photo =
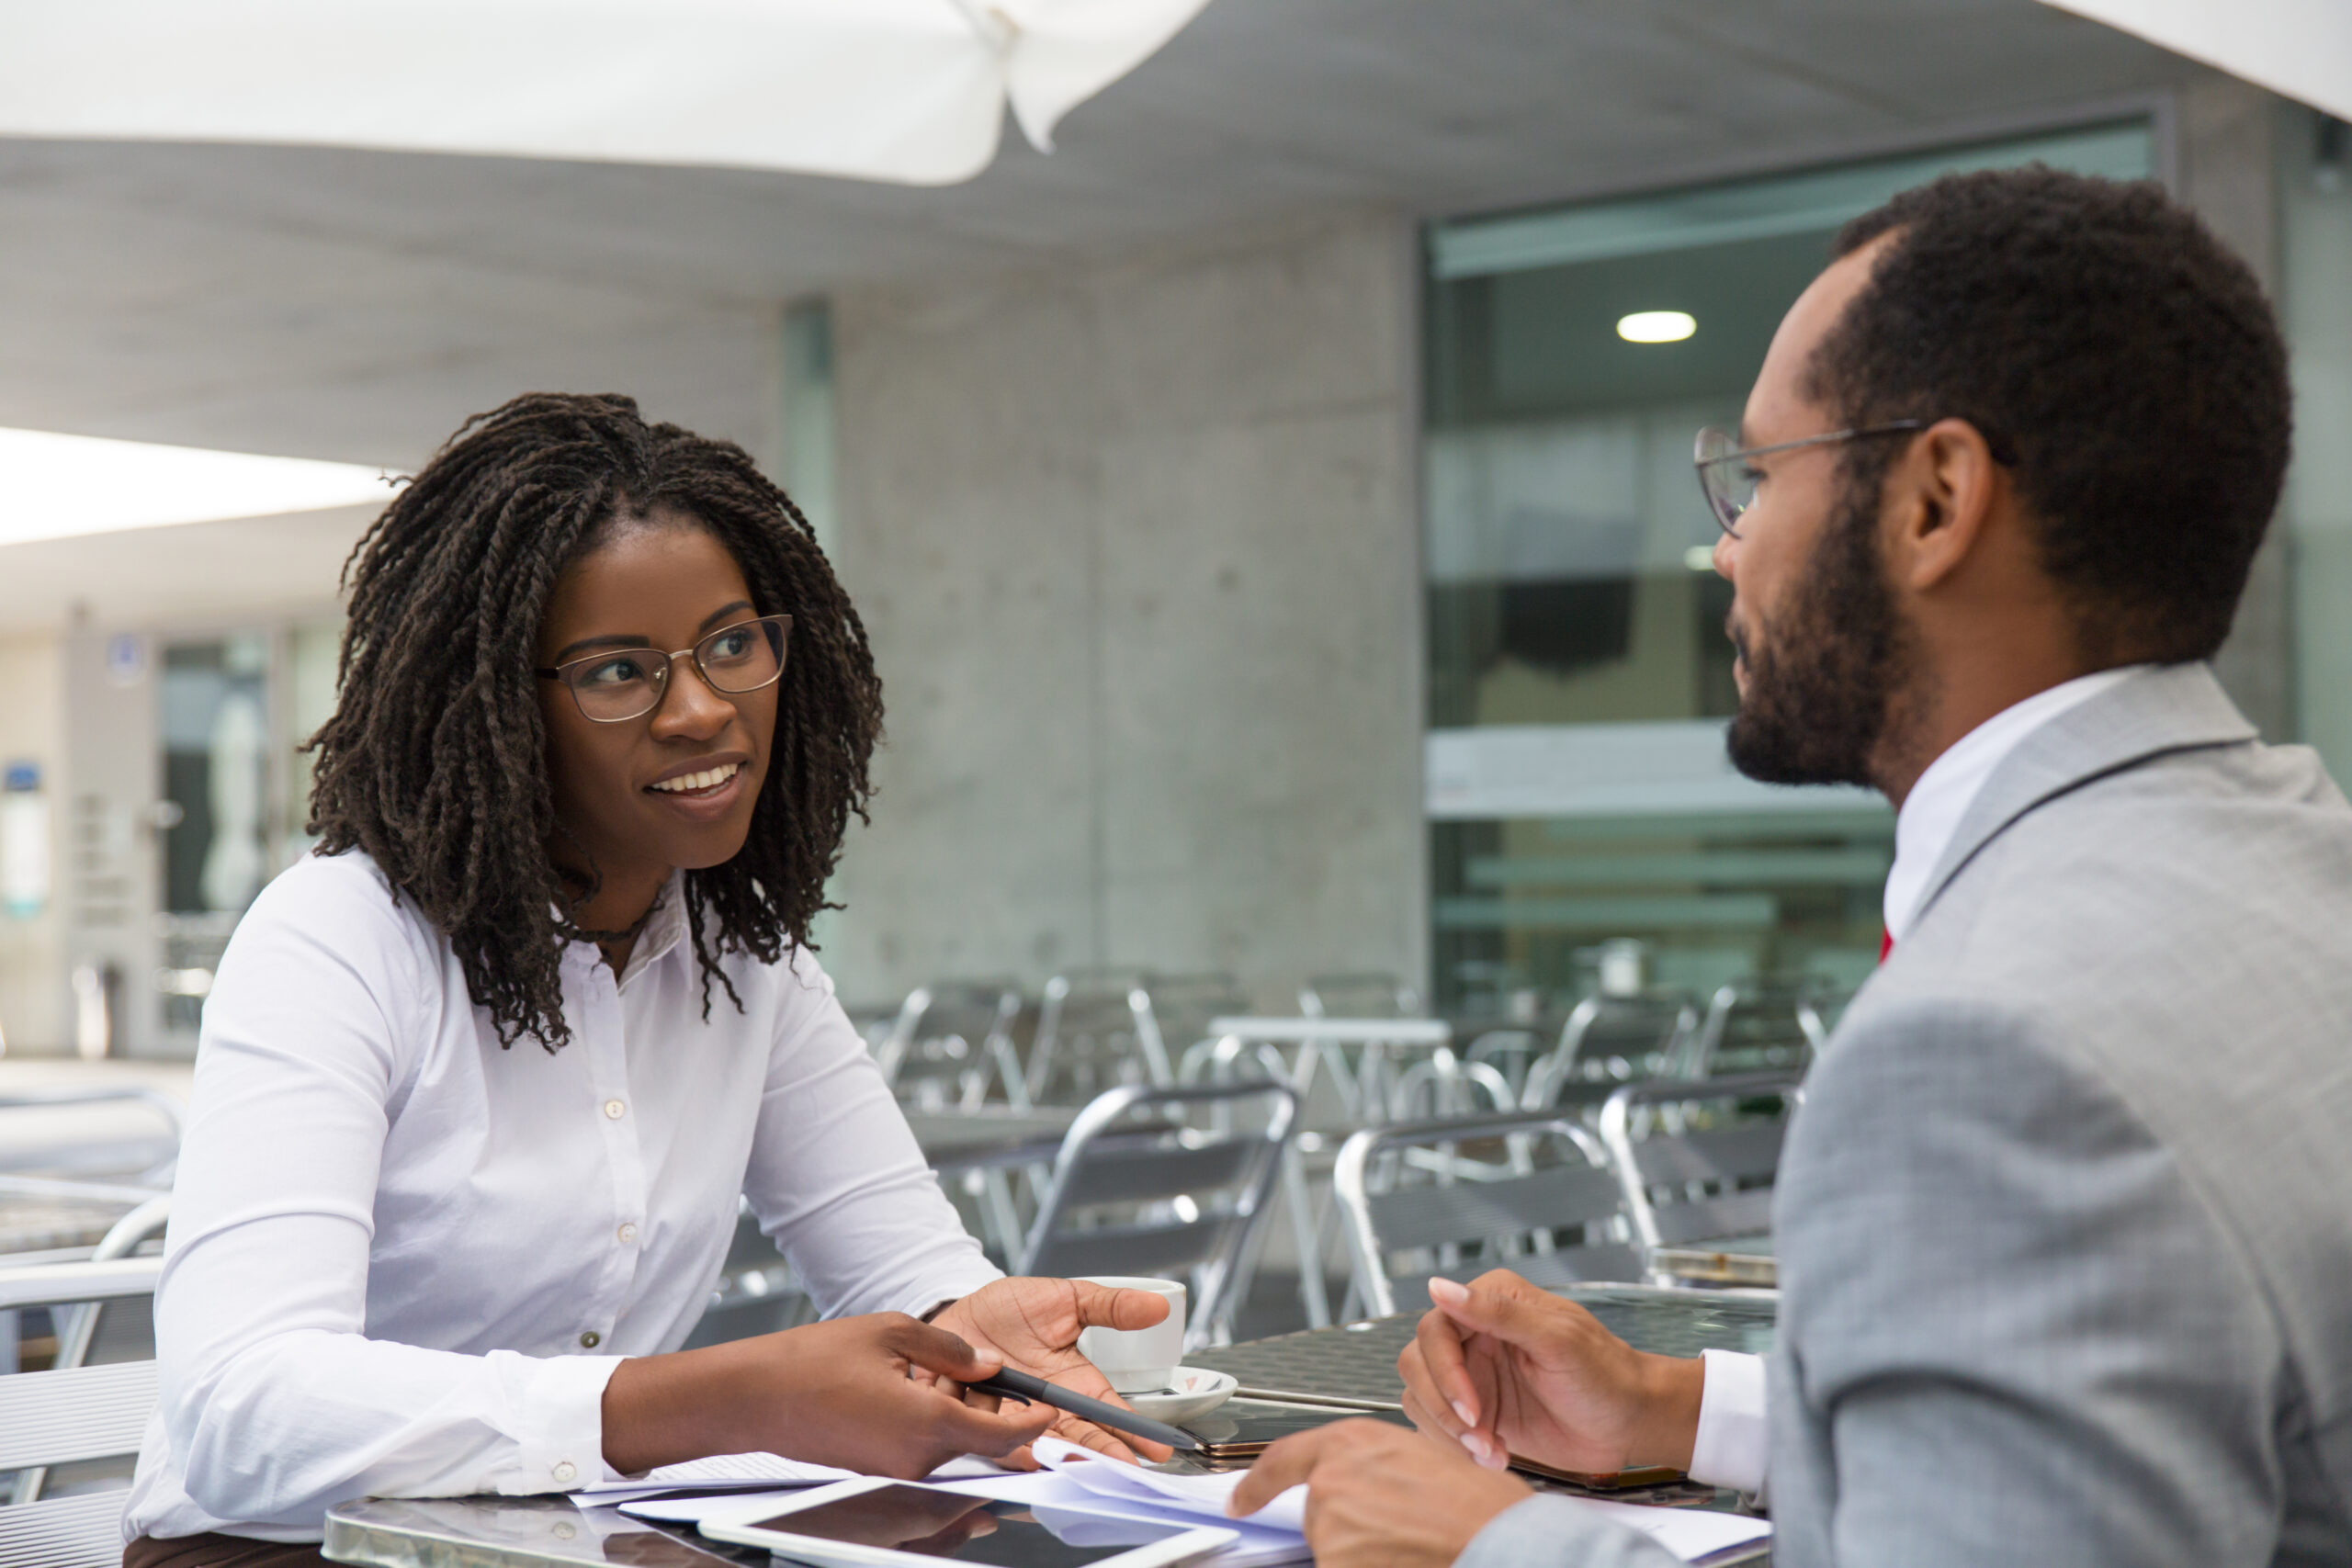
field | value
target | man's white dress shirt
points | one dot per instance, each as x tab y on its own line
1730	1448
403	1261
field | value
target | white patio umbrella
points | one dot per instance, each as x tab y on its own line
907	90
2298	48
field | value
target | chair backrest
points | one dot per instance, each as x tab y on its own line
949	1040
70	1416
1697	1157
1087	1038
1530	1192
1172	1013
1616	1038
1359	996
1760	1026
1137	1190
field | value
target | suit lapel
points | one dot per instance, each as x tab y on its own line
2173	707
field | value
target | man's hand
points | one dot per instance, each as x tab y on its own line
1378	1496
842	1393
1502	1368
1033	1325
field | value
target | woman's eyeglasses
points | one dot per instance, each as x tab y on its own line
621	683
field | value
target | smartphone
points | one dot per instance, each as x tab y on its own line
874	1522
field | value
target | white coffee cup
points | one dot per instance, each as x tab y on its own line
1138	1360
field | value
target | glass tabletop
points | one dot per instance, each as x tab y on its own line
1355	1364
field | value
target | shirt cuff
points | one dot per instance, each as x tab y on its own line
559	1414
1732	1446
950	1286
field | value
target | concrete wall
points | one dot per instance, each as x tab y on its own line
1137	542
33	1014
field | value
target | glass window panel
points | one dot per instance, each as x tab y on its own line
1579	676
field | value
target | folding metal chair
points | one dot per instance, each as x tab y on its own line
71	1415
1089	1038
1539	1196
1363	1089
949	1040
1697	1157
1612	1037
1760	1026
1173	1012
1165	1200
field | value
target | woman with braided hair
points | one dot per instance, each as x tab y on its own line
482	1078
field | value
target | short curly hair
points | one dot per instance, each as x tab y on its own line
2115	354
434	762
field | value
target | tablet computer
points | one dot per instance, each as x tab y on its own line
874	1522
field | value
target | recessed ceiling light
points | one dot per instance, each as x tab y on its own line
1655	326
59	486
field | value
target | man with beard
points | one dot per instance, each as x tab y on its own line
2063	1222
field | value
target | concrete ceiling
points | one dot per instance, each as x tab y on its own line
355	305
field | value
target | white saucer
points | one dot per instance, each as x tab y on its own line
1194	1392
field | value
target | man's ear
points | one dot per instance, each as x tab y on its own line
1939	495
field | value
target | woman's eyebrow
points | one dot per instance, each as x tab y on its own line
638	640
616	639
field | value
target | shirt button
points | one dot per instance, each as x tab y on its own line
614	1109
590	1340
565	1471
628	1232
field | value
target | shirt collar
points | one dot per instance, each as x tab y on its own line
1932	812
664	932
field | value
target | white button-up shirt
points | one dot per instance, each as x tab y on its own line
1730	1448
392	1240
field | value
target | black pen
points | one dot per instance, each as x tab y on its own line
1020	1385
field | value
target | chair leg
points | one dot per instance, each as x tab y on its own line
1003	1216
1308	1233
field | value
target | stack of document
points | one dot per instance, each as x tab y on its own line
1077	1482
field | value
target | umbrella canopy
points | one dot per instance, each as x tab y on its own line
2298	48
908	91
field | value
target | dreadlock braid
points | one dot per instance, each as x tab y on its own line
434	762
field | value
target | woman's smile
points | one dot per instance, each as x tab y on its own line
705	789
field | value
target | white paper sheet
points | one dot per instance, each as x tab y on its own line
1195	1494
734	1470
1689	1533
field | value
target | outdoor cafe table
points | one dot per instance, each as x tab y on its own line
1354	1363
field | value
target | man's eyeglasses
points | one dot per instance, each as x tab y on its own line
621	683
1729	481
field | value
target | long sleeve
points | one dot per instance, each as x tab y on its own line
275	1401
836	1178
1552	1533
2009	1322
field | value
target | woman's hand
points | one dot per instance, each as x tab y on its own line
1033	1325
1501	1367
842	1393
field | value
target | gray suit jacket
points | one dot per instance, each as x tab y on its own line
2066	1223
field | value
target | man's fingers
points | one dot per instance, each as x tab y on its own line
1501	1303
1437	1357
1112	1445
1285	1464
1103	1306
936	1350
